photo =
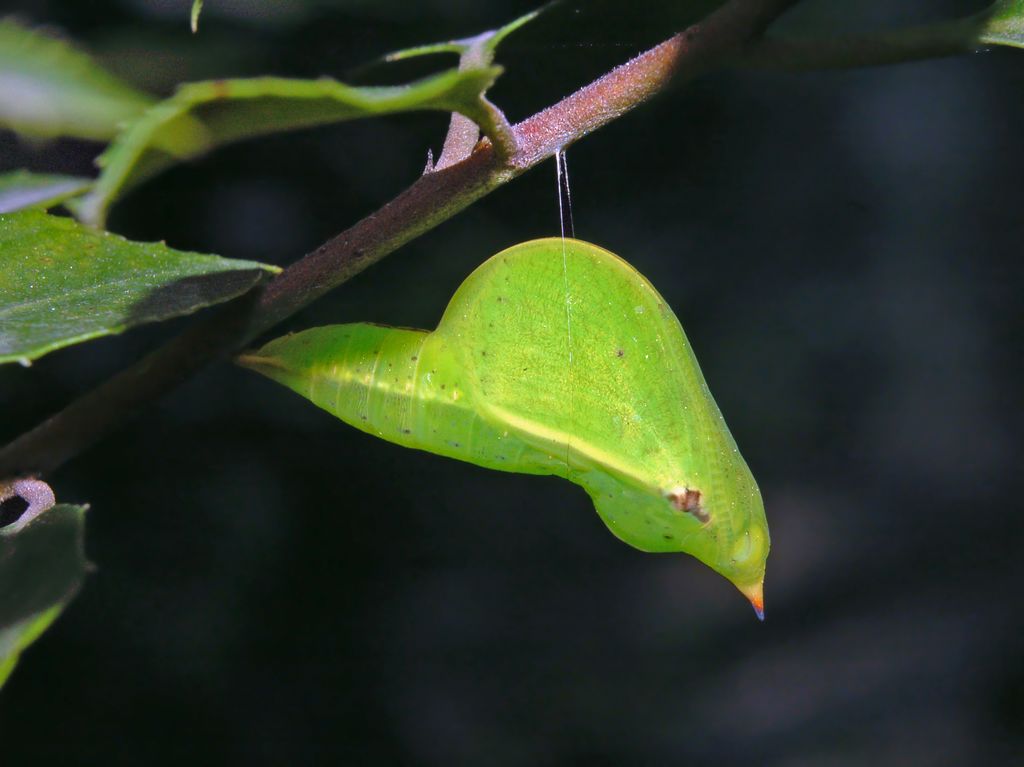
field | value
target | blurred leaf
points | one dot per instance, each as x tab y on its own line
49	89
1004	24
23	189
205	115
197	8
62	283
41	568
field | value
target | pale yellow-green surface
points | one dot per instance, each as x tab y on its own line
554	357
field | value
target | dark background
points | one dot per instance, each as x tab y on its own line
844	250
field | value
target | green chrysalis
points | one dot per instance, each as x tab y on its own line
553	357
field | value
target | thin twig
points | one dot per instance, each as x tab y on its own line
434	198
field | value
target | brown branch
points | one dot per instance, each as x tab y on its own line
434	198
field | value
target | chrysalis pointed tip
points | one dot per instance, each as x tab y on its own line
758	610
755	594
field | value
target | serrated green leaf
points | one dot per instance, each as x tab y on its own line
41	569
205	115
62	283
50	89
1004	24
23	189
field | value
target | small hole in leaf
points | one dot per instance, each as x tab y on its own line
11	510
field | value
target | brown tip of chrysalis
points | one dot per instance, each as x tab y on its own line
755	594
758	605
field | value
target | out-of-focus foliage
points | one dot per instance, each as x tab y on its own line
41	567
21	189
197	8
48	88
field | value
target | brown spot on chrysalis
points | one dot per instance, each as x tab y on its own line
688	501
619	353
